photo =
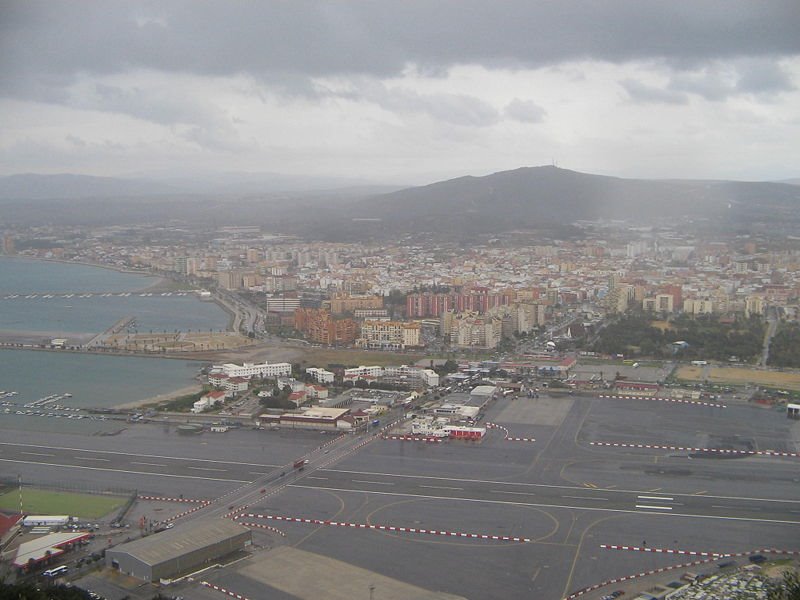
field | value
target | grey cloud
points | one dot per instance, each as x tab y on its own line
456	109
640	92
526	111
760	77
315	38
717	82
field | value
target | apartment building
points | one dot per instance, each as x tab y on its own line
393	335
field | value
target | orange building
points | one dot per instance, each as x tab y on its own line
320	327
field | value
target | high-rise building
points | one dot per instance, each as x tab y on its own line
320	327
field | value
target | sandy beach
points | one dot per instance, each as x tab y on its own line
185	391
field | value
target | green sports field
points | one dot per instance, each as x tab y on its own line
42	502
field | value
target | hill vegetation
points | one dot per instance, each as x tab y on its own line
706	338
784	350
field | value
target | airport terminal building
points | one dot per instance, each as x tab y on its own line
178	551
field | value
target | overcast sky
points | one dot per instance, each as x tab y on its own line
401	91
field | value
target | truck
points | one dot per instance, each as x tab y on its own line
300	463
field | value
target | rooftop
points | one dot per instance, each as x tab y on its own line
172	543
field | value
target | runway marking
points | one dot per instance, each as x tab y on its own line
372	482
226	462
315	477
37	454
655	498
700	493
392	528
207	469
693	449
440	487
256	473
544	485
90	458
60	466
591	485
653	507
585	498
509	492
542	505
148	464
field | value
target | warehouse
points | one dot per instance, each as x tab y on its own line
178	551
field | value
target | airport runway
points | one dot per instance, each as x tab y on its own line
558	496
566	494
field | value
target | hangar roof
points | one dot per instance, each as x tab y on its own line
179	541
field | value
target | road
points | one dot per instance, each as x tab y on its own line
277	479
772	327
558	496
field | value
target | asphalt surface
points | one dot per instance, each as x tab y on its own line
565	494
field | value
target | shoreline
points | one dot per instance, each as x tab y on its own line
159	398
85	263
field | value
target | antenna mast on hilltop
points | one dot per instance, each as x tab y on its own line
554	162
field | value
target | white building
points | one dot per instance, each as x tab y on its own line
361	372
320	375
393	335
428	376
255	370
208	400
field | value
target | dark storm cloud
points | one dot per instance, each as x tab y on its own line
43	43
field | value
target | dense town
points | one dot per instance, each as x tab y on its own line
407	296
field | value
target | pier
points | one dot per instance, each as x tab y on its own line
123	323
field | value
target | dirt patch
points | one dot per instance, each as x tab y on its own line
310	576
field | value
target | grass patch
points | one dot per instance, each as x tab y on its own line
742	375
44	502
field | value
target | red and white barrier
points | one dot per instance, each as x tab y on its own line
262	526
616	580
392	528
166	499
693	449
507	437
413	438
655	399
198	505
223	590
662	550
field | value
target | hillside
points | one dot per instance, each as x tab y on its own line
531	196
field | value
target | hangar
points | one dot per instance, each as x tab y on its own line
180	550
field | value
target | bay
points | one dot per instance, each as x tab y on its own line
60	316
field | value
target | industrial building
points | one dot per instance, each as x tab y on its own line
178	551
48	547
316	417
